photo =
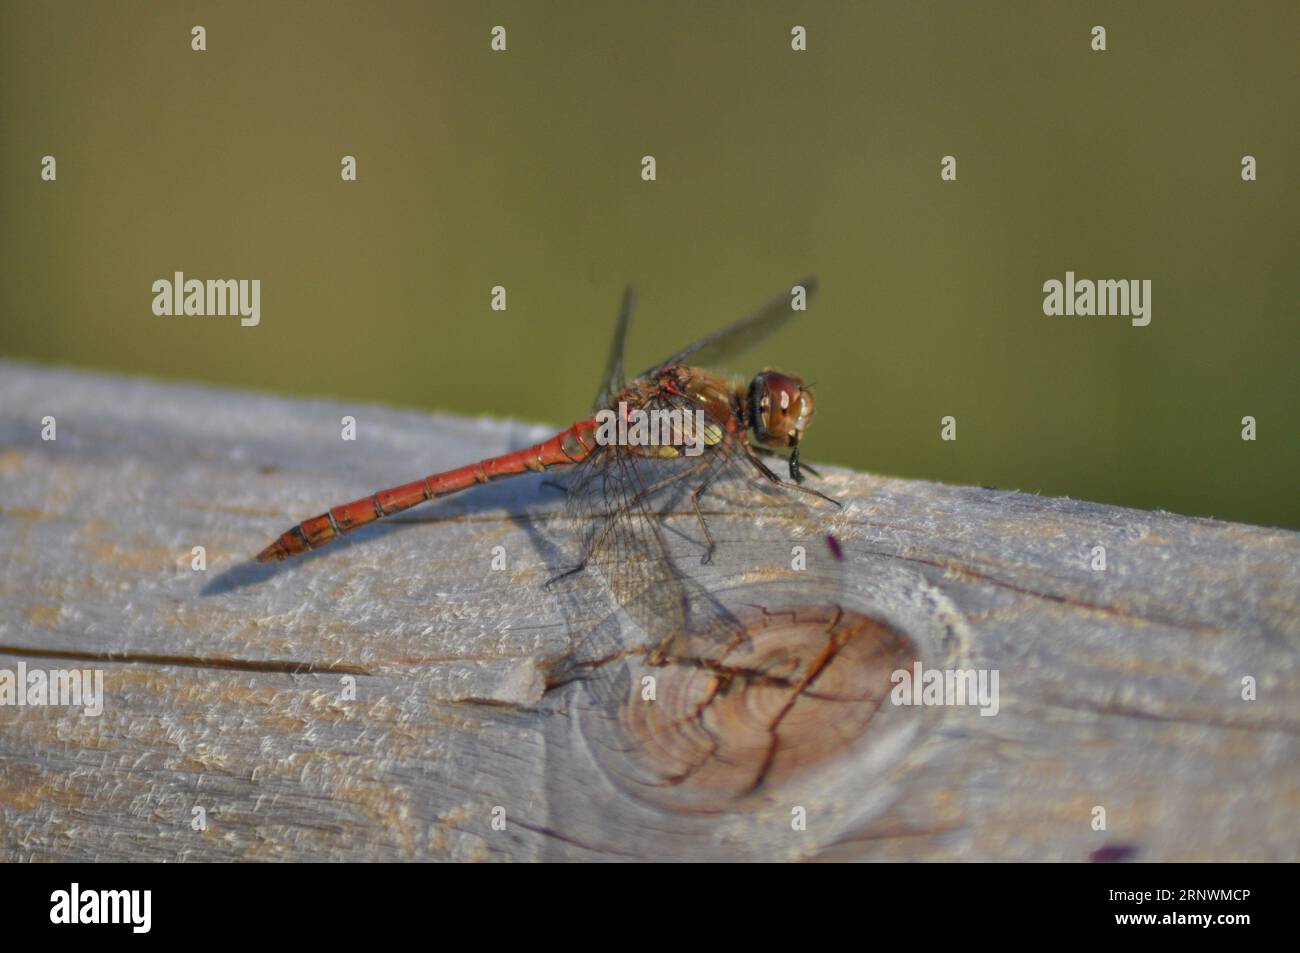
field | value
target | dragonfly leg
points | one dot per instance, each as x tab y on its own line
795	473
767	472
807	489
564	575
803	467
707	558
762	467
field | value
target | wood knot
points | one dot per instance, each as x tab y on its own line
717	721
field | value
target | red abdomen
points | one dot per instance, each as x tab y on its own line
564	449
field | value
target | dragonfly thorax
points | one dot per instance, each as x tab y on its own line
780	408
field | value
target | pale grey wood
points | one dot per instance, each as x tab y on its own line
1120	689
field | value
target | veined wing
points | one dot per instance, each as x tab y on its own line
743	334
702	554
612	382
671	535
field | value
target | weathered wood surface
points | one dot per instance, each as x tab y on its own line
224	688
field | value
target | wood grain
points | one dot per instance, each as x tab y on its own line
226	688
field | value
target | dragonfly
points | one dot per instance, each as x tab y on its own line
623	494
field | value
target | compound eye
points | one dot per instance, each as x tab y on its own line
779	408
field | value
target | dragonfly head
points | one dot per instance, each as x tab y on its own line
779	409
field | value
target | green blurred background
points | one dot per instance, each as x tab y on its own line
523	169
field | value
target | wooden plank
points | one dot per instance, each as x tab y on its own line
227	689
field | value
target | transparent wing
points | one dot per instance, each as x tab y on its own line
612	382
743	334
672	535
711	560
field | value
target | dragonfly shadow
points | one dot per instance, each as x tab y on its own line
507	498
